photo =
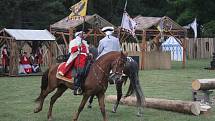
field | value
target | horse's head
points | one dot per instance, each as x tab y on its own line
117	67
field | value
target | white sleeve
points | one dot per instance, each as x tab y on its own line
119	46
100	48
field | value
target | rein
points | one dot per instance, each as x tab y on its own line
100	70
107	75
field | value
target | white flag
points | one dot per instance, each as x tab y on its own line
194	27
128	24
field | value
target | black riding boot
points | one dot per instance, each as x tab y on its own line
77	85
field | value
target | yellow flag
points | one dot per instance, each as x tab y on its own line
79	9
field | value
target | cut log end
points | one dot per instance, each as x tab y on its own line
195	108
196	85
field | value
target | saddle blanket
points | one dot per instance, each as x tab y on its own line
68	77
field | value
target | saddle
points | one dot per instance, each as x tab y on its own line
69	76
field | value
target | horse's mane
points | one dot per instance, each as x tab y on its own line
111	54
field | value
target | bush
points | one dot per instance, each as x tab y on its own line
209	29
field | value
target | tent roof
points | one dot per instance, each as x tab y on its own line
144	23
170	41
24	34
72	23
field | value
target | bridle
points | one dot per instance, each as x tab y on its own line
117	61
107	74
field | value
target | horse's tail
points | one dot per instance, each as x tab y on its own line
135	84
130	90
44	83
138	90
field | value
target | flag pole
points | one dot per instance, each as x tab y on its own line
122	20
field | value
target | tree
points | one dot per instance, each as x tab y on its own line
32	14
39	14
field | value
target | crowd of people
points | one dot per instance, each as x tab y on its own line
30	63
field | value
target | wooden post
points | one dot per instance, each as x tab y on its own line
64	39
49	54
144	46
184	53
14	58
95	37
70	34
53	49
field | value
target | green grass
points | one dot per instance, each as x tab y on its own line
17	95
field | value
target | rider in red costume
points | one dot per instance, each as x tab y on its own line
78	49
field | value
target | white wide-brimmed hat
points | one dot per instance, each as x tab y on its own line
78	33
108	30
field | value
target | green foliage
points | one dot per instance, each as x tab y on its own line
32	14
209	29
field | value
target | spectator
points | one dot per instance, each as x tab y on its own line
5	59
25	66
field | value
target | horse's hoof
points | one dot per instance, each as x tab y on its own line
74	120
37	110
50	119
89	106
139	115
113	111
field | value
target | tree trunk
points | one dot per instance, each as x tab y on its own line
163	104
203	84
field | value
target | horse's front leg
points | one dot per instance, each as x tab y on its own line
119	96
57	94
81	107
42	98
101	98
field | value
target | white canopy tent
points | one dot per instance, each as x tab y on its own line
16	39
24	34
172	45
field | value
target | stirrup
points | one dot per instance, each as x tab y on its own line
78	91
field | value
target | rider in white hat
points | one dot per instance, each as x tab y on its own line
108	43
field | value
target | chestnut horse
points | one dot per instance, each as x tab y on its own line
95	83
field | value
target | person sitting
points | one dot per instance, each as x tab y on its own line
25	66
39	57
34	63
78	49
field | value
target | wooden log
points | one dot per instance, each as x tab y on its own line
203	84
163	104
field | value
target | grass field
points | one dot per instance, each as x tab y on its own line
17	95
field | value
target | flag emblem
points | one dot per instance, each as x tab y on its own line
79	9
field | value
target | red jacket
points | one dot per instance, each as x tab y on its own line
24	60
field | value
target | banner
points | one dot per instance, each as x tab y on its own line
128	24
194	27
79	9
